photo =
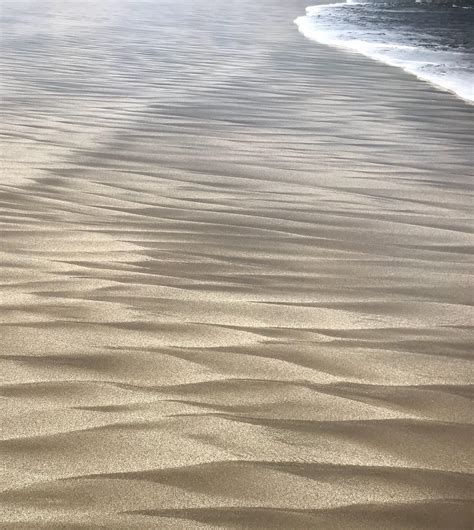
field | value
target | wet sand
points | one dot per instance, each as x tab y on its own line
235	282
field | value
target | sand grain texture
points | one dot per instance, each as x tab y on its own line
235	283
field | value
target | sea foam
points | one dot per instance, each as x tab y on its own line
359	28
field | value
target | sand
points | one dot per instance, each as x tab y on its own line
235	282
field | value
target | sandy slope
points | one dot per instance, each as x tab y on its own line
235	275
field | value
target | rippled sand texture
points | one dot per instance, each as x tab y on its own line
234	280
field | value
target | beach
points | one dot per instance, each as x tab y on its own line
236	283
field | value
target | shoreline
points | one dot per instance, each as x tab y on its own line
347	47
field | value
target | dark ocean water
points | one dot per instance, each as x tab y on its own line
435	43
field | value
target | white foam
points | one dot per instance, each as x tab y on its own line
445	70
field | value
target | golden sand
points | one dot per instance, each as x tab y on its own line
235	282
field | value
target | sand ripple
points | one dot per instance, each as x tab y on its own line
235	276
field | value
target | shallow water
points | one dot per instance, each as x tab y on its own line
436	43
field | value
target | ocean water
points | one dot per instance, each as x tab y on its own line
435	43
